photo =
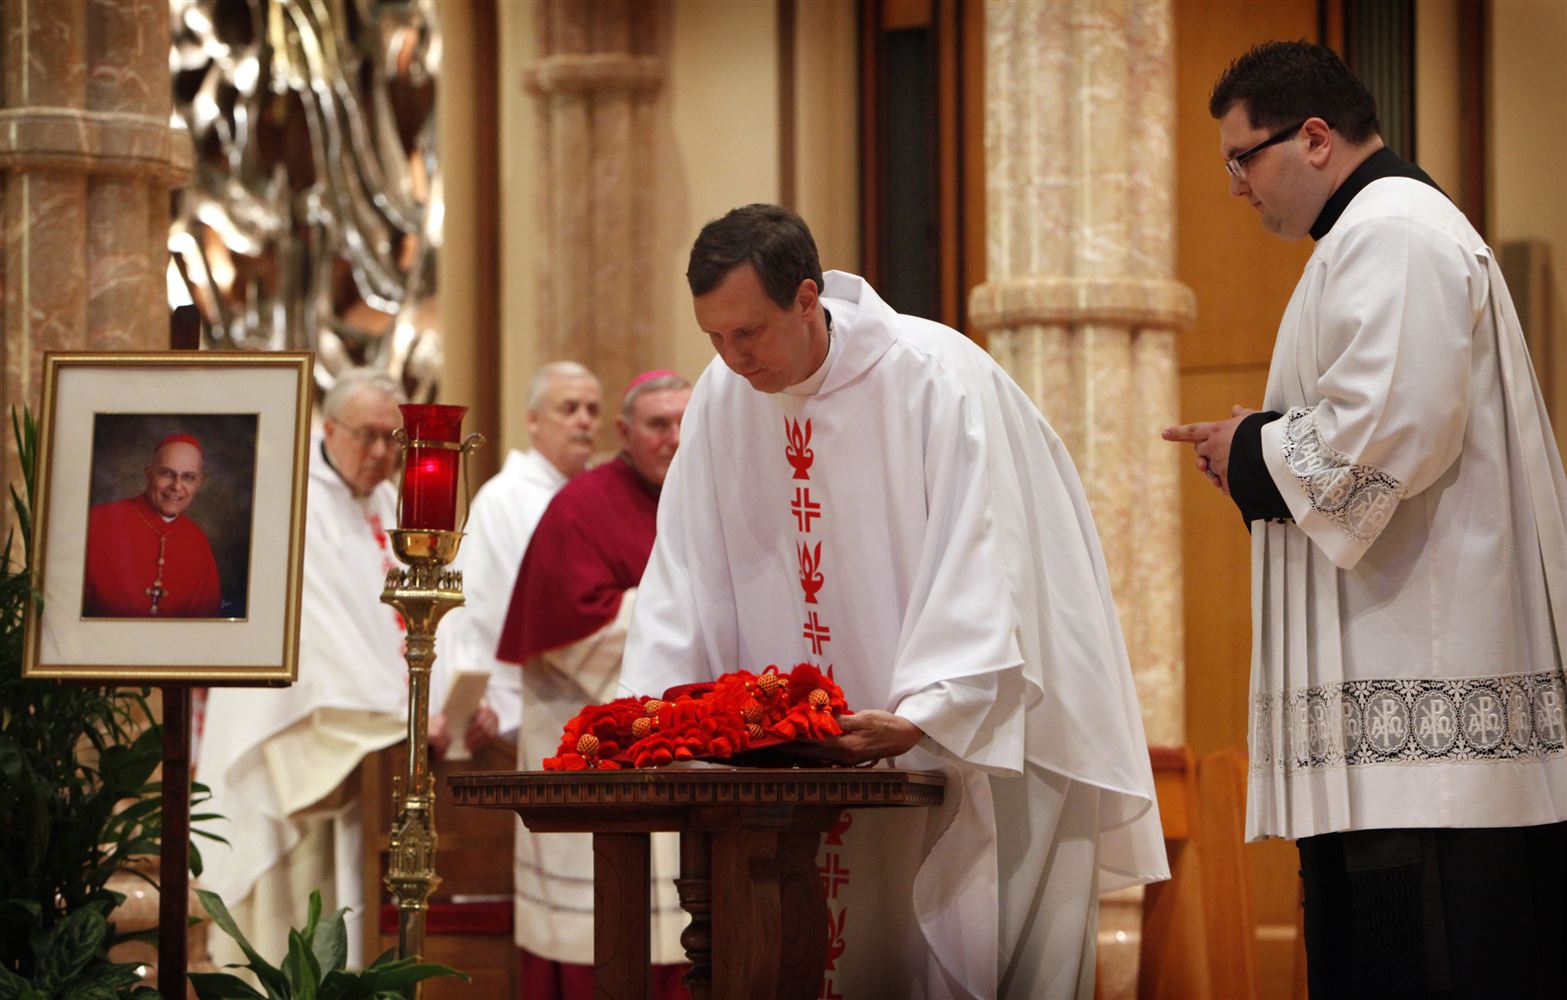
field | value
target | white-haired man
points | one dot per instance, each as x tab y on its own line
563	419
278	761
566	625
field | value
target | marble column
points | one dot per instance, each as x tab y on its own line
1082	308
595	81
1081	305
87	160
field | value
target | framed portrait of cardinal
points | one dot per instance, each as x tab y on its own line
169	521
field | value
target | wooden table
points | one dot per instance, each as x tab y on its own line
748	875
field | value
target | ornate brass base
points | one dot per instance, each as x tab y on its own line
422	593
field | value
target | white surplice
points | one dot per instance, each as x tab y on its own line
1406	649
504	513
552	873
908	518
269	754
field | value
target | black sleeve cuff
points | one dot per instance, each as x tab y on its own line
1251	487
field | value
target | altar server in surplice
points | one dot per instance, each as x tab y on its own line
870	492
1408	521
566	626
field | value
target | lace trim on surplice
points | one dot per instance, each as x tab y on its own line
1425	720
1360	499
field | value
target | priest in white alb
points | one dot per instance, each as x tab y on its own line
870	491
1408	516
279	761
565	629
563	419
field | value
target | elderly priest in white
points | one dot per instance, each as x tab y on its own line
563	419
279	762
871	492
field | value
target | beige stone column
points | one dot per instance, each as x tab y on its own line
1082	308
1081	305
595	82
87	160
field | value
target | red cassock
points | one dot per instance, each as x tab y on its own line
590	547
126	540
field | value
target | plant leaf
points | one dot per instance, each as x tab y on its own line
271	978
313	917
300	966
331	942
73	943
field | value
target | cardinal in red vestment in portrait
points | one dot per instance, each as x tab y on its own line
145	557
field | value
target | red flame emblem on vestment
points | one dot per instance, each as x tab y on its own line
799	452
811	579
835	942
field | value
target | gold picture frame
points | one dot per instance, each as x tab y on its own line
223	553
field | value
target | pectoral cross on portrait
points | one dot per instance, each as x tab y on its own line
156	591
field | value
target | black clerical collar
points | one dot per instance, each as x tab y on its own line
1383	163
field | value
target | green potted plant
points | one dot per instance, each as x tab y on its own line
77	803
314	966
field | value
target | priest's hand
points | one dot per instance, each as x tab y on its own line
440	736
482	727
1211	441
871	735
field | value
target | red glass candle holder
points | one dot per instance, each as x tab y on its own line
430	466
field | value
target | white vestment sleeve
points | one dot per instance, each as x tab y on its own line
961	716
469	634
593	662
1398	307
670	640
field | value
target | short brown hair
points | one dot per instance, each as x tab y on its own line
772	239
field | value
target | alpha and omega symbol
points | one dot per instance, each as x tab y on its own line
1352	724
1484	717
1320	728
1436	722
1387	722
1549	709
1520	723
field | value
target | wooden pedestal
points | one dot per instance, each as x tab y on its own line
748	876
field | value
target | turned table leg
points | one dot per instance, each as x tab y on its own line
696	898
803	924
622	902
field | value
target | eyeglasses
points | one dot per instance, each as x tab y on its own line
369	437
1236	164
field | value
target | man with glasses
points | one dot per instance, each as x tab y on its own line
1408	515
281	763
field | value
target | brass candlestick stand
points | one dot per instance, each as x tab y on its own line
422	593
